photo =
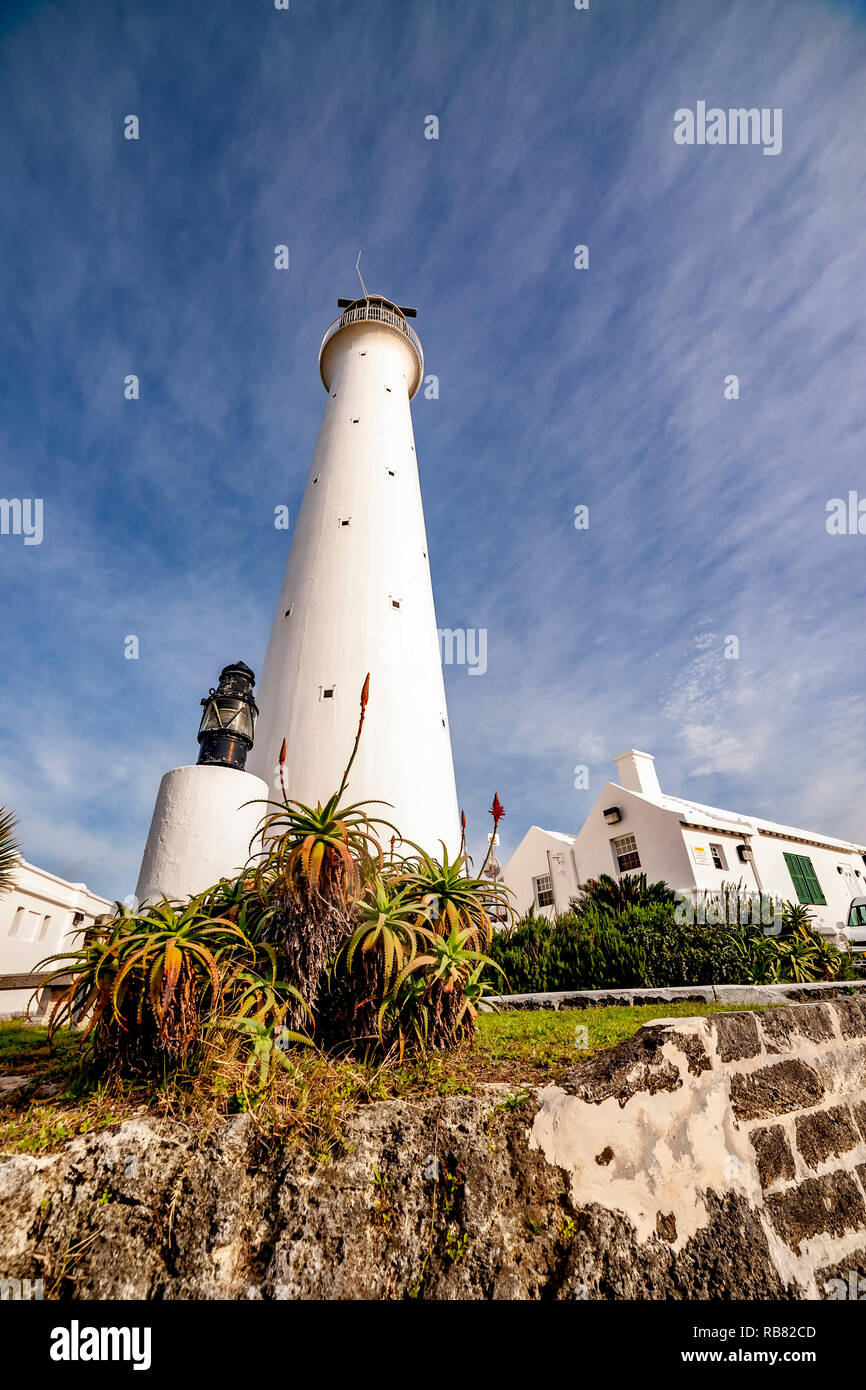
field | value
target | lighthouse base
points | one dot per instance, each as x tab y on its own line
201	831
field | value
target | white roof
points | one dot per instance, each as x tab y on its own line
555	835
718	819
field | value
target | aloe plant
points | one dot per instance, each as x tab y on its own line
147	985
316	863
447	894
435	996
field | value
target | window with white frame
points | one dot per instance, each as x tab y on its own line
625	853
542	887
718	856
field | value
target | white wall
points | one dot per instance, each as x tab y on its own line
204	823
338	592
705	876
530	860
36	920
838	888
662	853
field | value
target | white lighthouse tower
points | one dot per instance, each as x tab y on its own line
357	597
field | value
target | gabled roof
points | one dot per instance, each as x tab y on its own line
555	834
716	819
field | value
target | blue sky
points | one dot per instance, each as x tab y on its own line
558	387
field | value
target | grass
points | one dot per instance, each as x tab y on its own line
24	1046
309	1101
538	1045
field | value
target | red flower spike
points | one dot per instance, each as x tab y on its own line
283	771
497	811
365	693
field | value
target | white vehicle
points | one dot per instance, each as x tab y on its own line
854	931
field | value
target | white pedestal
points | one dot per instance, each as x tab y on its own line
200	832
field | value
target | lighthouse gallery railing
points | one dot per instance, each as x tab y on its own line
375	313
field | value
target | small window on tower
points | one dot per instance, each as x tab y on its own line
363	354
315	480
396	603
327	692
288	612
345	521
388	389
391	473
334	396
356	422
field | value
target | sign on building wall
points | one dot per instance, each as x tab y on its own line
702	854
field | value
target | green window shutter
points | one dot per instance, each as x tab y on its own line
812	881
804	879
793	862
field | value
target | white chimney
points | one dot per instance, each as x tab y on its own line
637	773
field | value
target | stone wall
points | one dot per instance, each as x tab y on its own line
559	999
706	1158
767	1108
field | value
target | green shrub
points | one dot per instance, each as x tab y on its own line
614	896
573	952
641	944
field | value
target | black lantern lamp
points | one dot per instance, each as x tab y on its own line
228	722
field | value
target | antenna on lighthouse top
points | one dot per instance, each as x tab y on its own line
347	303
360	276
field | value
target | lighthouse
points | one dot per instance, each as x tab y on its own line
357	597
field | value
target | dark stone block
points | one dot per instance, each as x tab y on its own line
859	1111
830	1205
775	1090
782	1027
851	1272
814	1021
634	1066
737	1036
826	1134
606	1156
775	1160
666	1226
690	1045
779	1030
851	1014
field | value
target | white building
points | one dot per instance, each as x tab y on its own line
39	916
357	597
635	827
